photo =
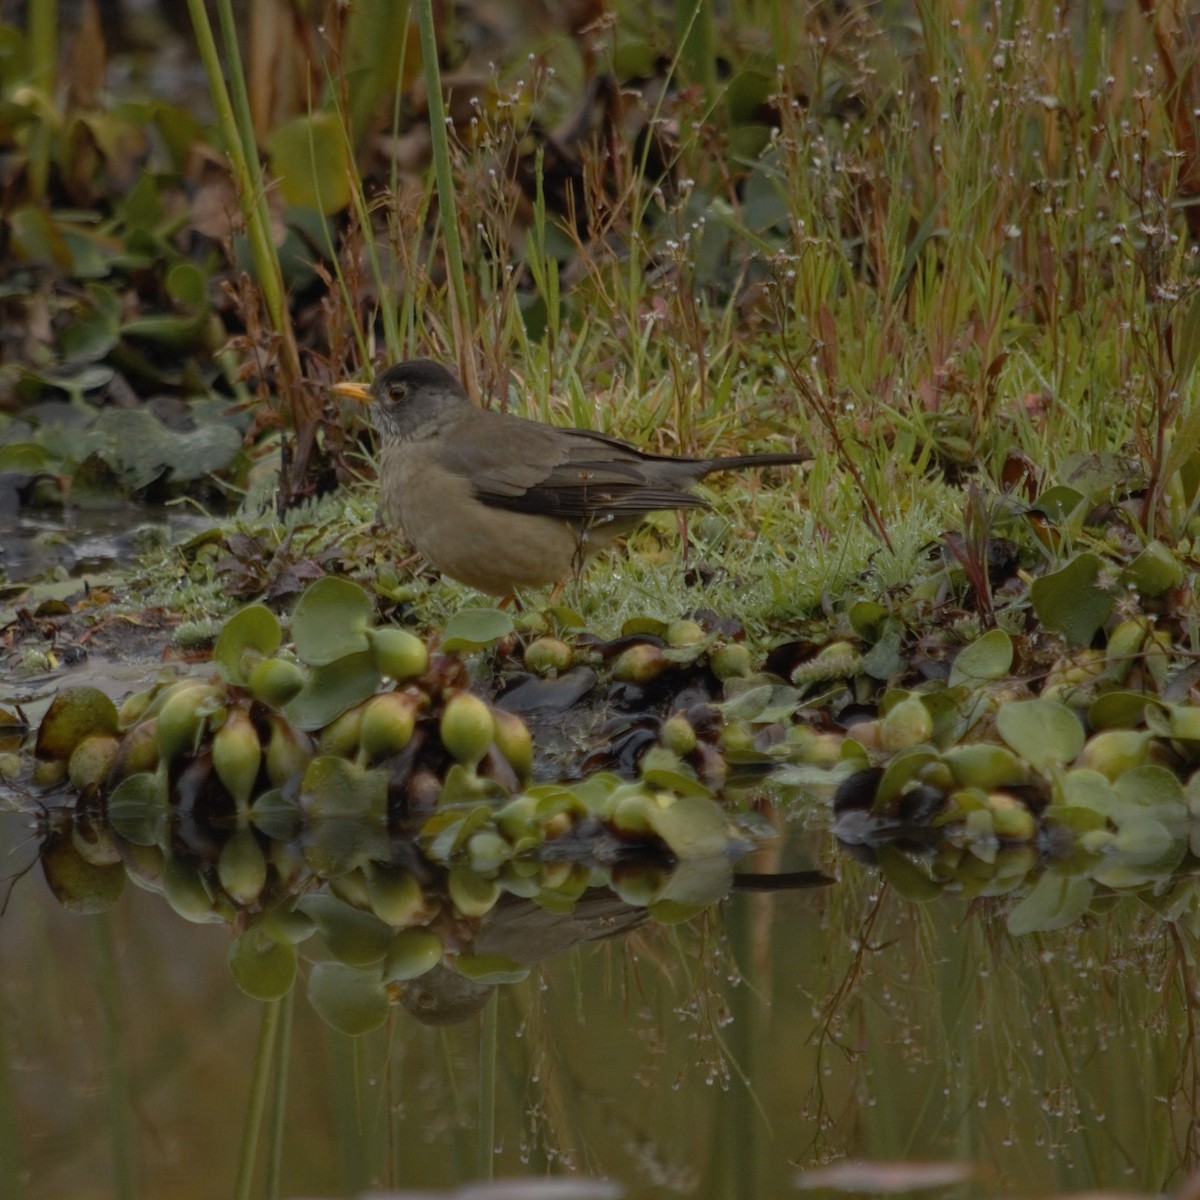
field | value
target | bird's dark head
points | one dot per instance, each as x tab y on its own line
407	398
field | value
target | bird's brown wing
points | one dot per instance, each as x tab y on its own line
578	475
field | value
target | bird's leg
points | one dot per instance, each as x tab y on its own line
579	558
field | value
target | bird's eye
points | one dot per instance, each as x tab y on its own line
398	392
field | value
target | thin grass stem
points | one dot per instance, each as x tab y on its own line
260	1081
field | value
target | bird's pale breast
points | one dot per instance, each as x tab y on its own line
487	548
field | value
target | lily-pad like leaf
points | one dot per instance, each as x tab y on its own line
446	831
413	952
74	714
78	885
884	660
350	1000
309	154
1044	733
143	448
981	765
1084	788
330	621
1071	602
1119	710
747	705
987	658
1100	474
25	457
1060	503
1054	902
901	770
1155	571
1152	787
331	689
471	894
906	877
699	882
334	787
335	846
1074	817
692	826
644	624
169	331
250	634
89	337
354	937
137	809
187	891
866	617
276	816
187	285
1183	721
566	618
1142	840
262	967
474	628
662	768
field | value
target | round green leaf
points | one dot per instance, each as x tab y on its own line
911	881
276	815
1043	732
901	770
354	937
251	633
310	156
334	787
263	968
1071	602
330	621
167	332
978	764
698	883
24	457
350	1000
1119	710
1054	901
1153	787
78	885
474	628
413	952
1085	788
692	826
988	657
75	713
331	689
137	809
1142	840
187	285
335	846
187	892
1060	503
1155	571
644	624
662	768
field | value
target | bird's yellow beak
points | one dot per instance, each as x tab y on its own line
356	391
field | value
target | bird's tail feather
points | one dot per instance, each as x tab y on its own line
741	462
